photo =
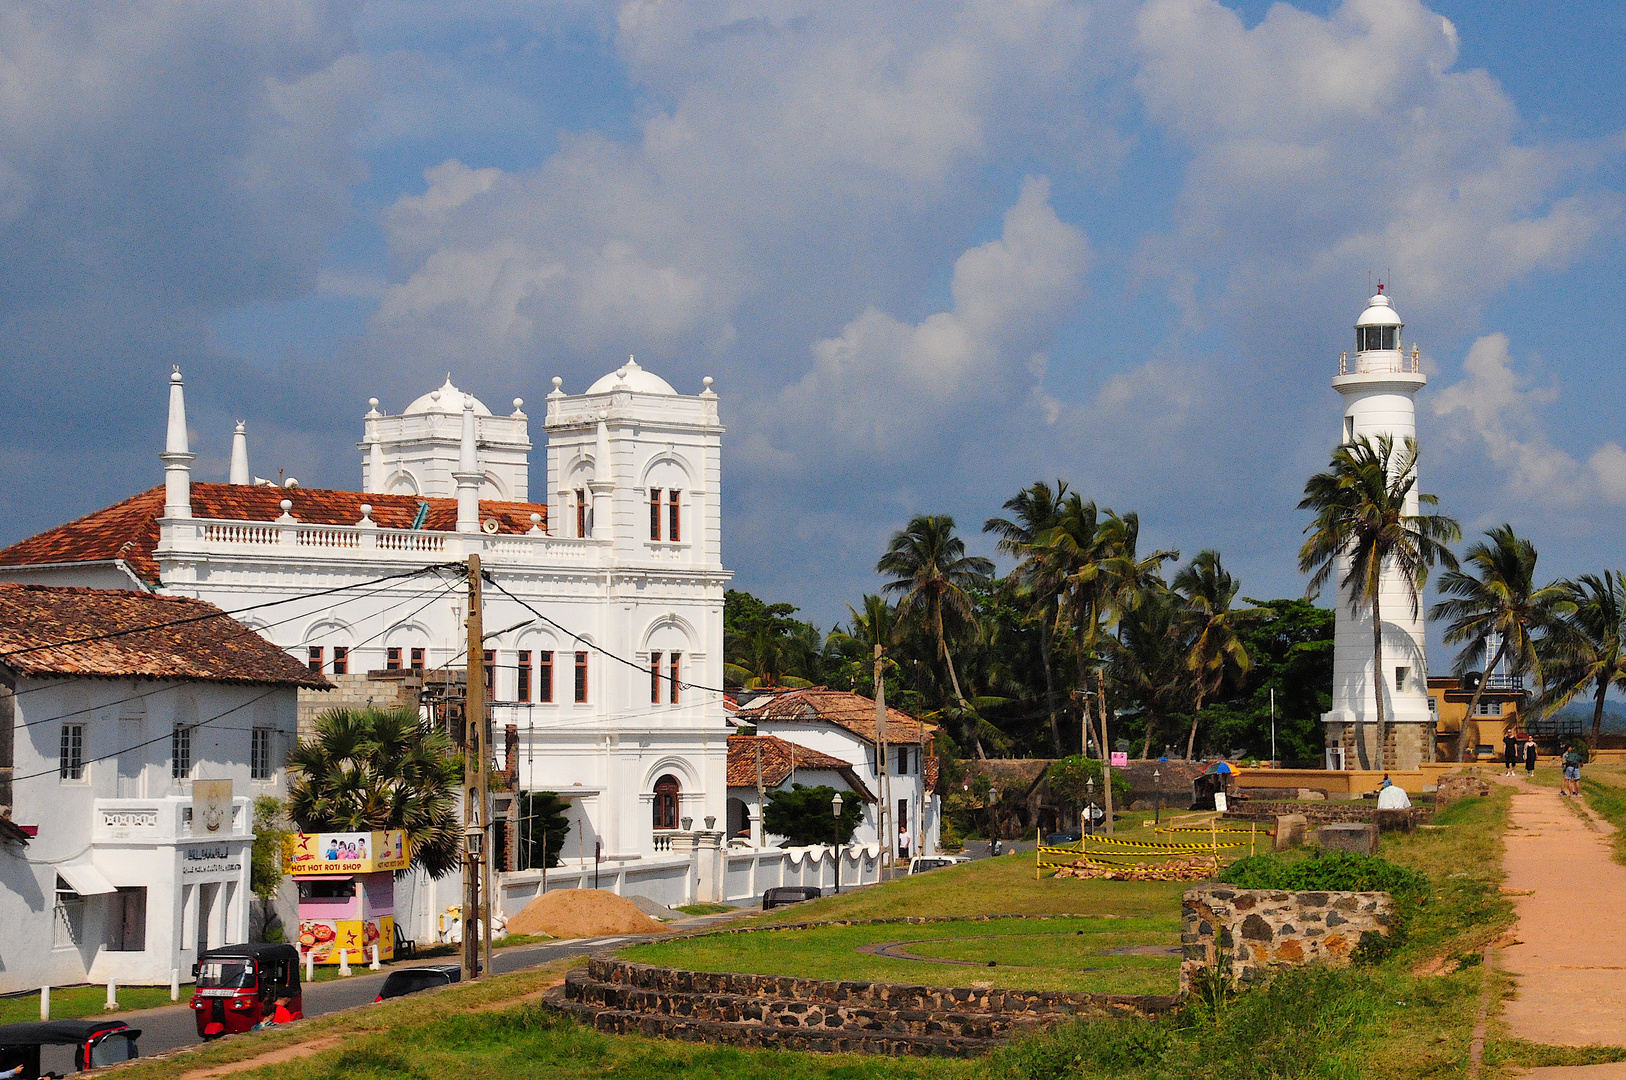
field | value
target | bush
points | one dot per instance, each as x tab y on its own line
802	815
1069	782
1336	871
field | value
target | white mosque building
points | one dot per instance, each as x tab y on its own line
614	694
1378	383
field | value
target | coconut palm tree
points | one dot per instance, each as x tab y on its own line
1148	661
369	769
1498	600
1364	527
1587	646
1034	510
1214	648
929	566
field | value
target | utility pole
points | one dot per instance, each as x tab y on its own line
476	827
883	819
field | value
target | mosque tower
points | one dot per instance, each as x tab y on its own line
1378	383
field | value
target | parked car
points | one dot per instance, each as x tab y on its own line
922	863
411	980
1061	839
781	895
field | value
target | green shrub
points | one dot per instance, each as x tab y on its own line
1334	871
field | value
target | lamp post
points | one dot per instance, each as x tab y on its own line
1157	784
1089	805
993	821
835	848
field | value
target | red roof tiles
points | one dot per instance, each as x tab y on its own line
105	633
129	530
852	711
780	759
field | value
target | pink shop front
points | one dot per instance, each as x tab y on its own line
345	915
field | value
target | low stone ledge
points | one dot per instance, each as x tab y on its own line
1251	933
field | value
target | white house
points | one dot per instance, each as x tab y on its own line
603	611
841	726
117	860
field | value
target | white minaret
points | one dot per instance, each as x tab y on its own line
469	475
177	457
1378	383
239	456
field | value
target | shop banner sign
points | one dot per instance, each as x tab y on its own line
346	853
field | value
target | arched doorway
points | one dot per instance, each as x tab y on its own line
667	789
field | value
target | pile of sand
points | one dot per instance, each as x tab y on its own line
580	913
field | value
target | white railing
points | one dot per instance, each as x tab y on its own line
328	537
1381	362
231	532
411	540
349	541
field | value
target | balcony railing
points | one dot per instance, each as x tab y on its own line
284	538
1381	362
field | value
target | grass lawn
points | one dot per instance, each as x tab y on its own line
1002	886
74	1002
1037	954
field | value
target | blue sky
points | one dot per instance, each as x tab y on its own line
930	253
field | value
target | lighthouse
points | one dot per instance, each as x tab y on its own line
1378	383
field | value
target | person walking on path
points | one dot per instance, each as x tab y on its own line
1572	772
1510	750
1529	757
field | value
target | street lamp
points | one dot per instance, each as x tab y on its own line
1157	784
1089	806
835	848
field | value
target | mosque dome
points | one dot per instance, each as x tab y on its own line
630	376
447	399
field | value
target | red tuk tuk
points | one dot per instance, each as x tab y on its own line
240	987
95	1043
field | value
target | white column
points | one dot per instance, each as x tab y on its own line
468	475
239	456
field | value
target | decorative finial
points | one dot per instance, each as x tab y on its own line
372	403
287	505
468	403
434	395
175	376
706	382
519	404
366	511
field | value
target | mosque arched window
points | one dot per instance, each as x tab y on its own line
666	802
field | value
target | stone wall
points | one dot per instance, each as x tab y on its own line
360	690
1261	930
1330	813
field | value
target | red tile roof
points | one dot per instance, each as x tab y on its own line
852	711
780	759
105	633
129	530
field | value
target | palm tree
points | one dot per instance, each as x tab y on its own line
1149	661
1215	648
1588	645
369	769
929	566
1093	567
1035	509
1364	527
1500	600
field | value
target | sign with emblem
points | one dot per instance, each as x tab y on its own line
346	853
211	807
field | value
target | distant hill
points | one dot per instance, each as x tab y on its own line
1614	716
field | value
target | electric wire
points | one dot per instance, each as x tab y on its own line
244	631
202	723
225	614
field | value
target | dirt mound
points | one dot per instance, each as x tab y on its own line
579	913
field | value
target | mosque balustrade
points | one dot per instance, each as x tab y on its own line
348	542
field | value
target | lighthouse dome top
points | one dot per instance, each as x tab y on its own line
446	399
630	376
1379	312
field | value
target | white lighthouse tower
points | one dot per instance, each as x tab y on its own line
1378	383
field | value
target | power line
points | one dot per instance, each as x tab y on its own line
227	614
243	632
193	727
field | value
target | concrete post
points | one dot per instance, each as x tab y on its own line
709	857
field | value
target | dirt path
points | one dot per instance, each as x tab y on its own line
1569	953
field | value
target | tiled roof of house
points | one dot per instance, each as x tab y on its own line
852	711
780	759
103	632
129	530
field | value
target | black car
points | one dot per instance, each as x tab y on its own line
1061	839
411	980
95	1043
780	895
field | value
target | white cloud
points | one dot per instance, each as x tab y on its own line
1496	412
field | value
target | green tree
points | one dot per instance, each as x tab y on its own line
1365	527
369	769
265	860
1292	651
543	826
929	566
1034	510
802	815
1148	662
1071	778
1214	646
1499	600
1587	646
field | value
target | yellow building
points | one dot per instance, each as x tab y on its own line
1501	707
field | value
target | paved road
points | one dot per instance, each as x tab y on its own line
173	1025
